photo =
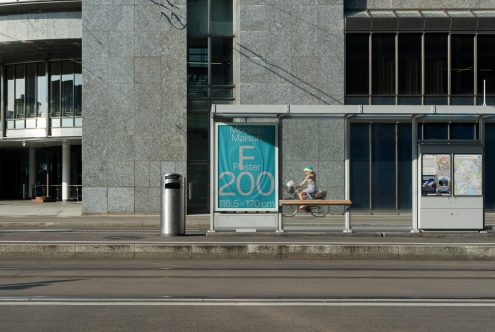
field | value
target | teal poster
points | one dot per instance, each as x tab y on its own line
247	167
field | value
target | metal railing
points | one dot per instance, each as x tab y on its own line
55	191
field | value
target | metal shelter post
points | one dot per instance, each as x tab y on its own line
414	149
212	169
347	173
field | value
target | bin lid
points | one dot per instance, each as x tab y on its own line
172	176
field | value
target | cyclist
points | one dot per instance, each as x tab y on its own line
310	182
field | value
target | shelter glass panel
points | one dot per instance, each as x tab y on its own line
489	165
383	166
462	131
405	166
436	131
360	160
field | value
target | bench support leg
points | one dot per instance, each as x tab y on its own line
280	228
347	215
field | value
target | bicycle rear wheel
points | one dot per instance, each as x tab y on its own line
319	211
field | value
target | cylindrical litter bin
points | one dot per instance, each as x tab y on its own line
172	212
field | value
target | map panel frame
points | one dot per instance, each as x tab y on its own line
460	186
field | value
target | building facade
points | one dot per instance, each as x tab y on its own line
106	96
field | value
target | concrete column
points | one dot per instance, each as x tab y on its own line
32	171
65	170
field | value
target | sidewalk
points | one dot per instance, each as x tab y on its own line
60	231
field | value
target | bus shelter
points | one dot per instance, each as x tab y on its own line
252	157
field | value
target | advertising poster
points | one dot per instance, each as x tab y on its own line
437	168
247	167
429	184
468	174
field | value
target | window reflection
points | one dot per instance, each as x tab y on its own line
31	90
41	89
26	90
67	89
20	93
55	89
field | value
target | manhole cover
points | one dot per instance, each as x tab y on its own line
123	237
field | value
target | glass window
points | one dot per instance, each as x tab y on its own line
462	131
221	61
435	131
10	91
357	64
41	89
409	64
462	64
197	17
55	71
221	17
20	91
383	166
30	90
486	65
77	89
197	61
360	159
436	64
405	166
67	88
383	63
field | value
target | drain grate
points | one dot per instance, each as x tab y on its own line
123	237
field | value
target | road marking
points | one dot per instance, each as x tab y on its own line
166	301
436	244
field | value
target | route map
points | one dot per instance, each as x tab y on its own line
467	174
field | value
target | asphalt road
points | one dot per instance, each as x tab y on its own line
248	295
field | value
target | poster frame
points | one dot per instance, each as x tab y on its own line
437	194
453	174
276	176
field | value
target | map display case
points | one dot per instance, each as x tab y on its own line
450	186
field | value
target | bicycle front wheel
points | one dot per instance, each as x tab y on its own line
289	210
319	211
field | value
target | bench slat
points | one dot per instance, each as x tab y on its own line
315	202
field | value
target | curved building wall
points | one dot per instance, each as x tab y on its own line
40	94
40	26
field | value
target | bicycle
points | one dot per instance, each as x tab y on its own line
292	192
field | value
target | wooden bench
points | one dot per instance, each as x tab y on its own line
344	202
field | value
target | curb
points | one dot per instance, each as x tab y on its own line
462	252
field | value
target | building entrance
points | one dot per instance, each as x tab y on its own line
13	174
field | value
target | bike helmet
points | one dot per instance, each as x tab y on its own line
308	168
